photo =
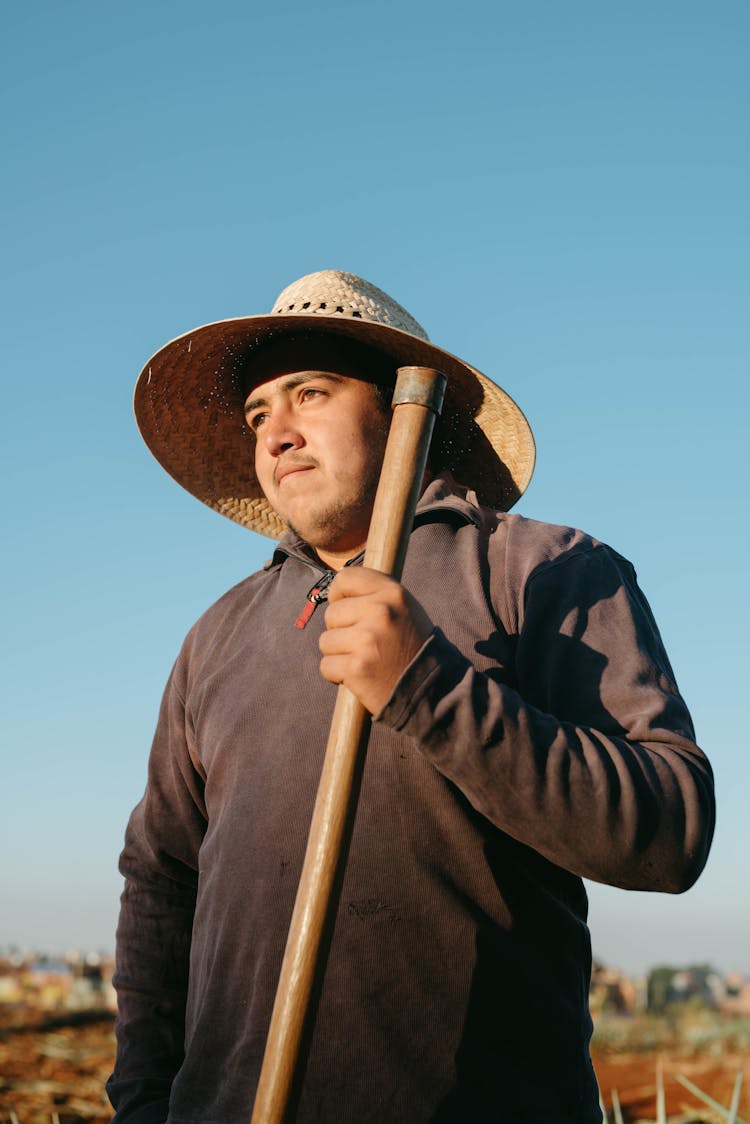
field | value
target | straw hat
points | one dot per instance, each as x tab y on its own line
190	394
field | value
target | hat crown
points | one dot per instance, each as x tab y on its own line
330	292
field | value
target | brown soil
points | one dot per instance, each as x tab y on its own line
48	1068
633	1076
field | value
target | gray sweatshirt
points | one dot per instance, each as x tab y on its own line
537	739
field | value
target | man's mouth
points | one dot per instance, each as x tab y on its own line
291	468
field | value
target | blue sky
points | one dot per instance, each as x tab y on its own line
557	191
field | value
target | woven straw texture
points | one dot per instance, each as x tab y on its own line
189	399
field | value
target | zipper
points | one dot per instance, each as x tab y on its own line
318	593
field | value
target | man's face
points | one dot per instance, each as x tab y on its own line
319	441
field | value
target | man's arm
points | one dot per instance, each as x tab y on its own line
159	863
589	757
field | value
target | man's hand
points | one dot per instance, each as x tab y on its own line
374	630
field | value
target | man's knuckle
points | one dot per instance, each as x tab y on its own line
359	666
383	613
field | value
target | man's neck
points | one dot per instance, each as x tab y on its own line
337	559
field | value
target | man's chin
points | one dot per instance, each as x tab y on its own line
334	529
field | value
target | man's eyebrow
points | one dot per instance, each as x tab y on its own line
291	383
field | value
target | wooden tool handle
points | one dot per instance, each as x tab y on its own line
417	400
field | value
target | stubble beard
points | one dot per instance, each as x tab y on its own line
345	522
341	522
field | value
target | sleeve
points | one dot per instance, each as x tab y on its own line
160	866
588	754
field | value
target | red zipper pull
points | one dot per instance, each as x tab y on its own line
313	600
318	593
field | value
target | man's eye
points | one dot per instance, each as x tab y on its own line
311	392
256	420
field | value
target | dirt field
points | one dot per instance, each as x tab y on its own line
58	1072
633	1076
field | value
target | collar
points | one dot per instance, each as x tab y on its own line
444	495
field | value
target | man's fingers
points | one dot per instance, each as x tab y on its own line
337	640
357	581
342	614
374	628
356	610
333	668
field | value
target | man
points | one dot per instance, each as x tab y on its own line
527	733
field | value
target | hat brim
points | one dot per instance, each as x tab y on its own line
189	408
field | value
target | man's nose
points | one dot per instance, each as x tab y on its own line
280	434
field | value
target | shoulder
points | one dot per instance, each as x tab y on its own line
524	542
233	610
551	563
520	548
527	547
534	548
